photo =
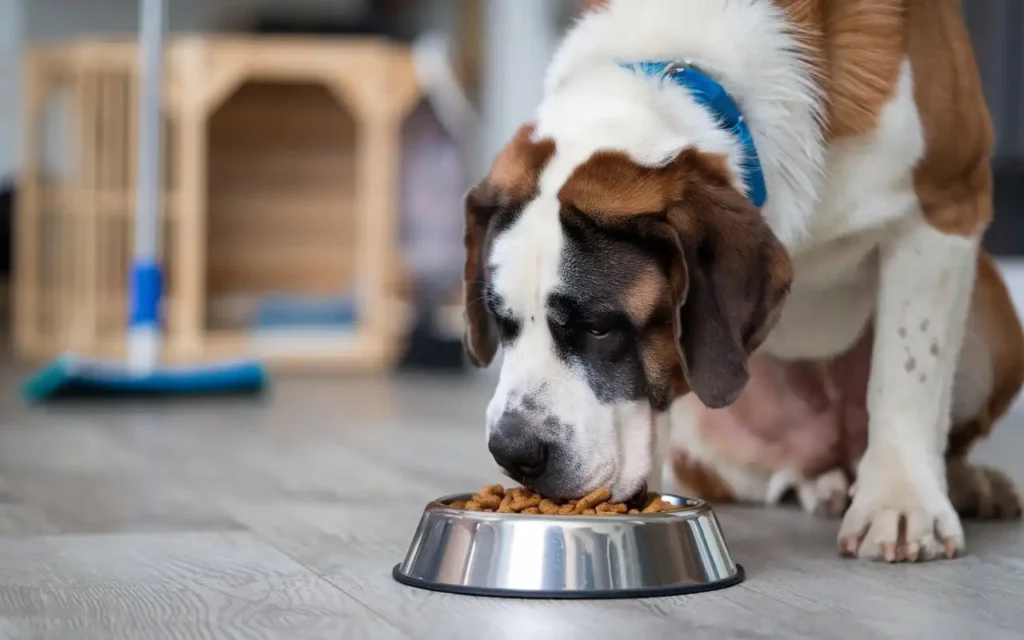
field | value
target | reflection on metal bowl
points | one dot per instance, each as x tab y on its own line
547	556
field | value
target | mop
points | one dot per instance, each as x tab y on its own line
141	374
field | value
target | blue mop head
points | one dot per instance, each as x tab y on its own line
76	376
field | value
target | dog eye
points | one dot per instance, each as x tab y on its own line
598	333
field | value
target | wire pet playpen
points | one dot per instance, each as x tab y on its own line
279	218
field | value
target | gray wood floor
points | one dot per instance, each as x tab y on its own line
282	517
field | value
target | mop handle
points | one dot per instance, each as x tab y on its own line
146	280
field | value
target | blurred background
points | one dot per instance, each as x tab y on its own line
315	156
316	152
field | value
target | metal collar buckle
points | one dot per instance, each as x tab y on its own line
673	68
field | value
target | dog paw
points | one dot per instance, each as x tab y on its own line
982	492
825	496
900	513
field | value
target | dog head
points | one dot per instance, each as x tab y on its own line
611	292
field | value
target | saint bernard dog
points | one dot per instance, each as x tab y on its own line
740	242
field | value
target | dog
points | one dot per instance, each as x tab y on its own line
741	241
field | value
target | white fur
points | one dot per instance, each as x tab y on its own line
524	265
974	380
869	186
612	445
926	276
747	45
815	495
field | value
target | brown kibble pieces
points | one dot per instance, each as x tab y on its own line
611	507
592	499
493	490
506	504
495	498
657	505
488	500
526	502
548	506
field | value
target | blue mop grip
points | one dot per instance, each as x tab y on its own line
146	290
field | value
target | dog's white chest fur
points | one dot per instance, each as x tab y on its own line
869	186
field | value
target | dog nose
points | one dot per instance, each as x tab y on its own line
519	454
523	458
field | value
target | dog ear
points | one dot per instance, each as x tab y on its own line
511	181
729	274
481	332
729	280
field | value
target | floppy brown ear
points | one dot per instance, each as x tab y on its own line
510	182
729	283
481	332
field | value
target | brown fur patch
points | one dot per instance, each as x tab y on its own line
963	436
727	273
662	367
811	18
610	185
997	322
954	179
517	167
481	335
857	47
865	47
702	481
645	294
512	179
981	492
1002	330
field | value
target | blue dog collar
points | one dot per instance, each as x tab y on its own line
713	97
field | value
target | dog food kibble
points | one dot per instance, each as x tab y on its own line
496	499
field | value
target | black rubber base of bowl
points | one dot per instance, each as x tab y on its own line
657	592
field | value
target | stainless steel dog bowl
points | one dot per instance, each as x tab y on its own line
541	556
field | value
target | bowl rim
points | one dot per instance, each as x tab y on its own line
738	576
695	506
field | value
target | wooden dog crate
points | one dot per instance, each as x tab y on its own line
280	165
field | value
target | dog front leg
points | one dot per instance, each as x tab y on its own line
900	508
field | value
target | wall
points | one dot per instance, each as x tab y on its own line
519	40
10	45
54	19
995	27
